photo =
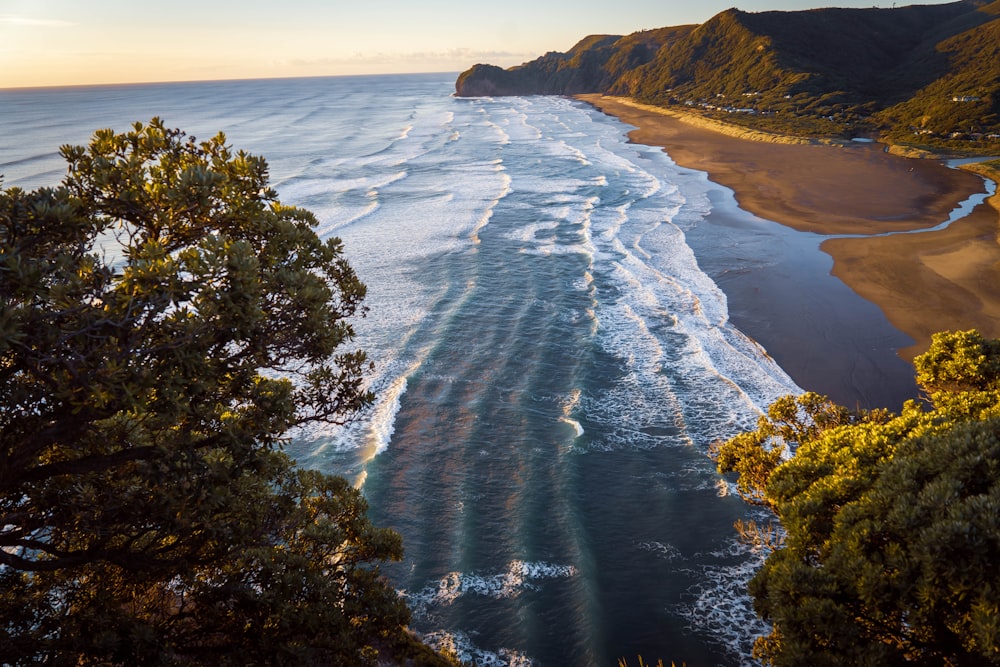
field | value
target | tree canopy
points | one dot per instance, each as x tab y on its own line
164	322
891	553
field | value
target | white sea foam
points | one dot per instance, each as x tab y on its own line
306	187
667	552
371	432
501	134
425	180
461	645
484	218
532	232
516	121
666	297
720	607
687	377
384	418
516	578
577	428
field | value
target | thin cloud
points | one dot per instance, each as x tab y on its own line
10	19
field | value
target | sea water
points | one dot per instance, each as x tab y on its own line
551	365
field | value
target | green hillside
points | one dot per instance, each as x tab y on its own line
922	74
597	63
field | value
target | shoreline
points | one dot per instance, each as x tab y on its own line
920	283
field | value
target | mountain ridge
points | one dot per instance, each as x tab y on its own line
920	74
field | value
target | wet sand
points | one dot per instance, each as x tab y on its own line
920	283
936	281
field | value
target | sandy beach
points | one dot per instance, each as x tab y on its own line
948	279
922	283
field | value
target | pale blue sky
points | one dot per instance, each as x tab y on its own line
67	42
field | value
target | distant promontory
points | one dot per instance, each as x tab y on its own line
919	75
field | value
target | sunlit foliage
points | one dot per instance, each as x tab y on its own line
891	552
164	322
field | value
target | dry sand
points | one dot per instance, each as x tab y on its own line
923	283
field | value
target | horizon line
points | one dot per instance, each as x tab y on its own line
165	82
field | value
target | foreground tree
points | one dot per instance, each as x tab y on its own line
892	546
164	322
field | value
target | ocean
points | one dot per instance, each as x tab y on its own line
551	364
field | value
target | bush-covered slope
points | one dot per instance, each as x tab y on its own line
598	63
964	99
923	73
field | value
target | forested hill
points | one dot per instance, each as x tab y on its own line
920	74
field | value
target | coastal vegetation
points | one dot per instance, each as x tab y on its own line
889	536
164	322
923	75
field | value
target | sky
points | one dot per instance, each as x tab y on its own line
82	42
